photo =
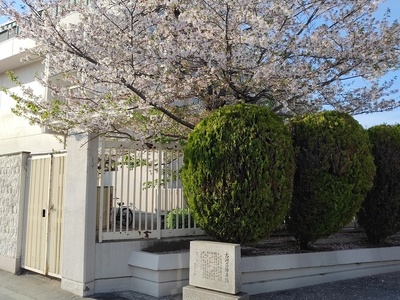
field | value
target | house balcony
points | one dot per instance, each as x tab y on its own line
12	48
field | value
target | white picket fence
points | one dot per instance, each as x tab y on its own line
140	192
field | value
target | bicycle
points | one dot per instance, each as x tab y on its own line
127	214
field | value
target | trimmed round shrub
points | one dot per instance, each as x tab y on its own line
238	173
334	172
380	212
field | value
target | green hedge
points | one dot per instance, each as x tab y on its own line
334	171
238	173
380	213
179	218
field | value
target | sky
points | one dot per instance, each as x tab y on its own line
368	120
391	117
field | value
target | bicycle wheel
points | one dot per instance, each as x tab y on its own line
124	218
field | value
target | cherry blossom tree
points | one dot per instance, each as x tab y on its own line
154	68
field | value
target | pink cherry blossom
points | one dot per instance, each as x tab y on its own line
145	69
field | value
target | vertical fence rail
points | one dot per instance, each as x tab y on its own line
140	192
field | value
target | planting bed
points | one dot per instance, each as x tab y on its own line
273	264
282	243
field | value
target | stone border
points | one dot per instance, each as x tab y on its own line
159	274
165	274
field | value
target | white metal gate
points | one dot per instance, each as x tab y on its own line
44	201
140	192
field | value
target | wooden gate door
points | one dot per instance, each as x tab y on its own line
43	210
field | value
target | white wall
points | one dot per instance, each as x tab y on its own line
16	134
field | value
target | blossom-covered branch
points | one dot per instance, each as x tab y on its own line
157	67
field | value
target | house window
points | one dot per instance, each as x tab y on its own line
8	31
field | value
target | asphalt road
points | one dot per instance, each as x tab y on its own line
30	286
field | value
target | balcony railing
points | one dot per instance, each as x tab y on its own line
8	31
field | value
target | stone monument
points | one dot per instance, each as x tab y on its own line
214	272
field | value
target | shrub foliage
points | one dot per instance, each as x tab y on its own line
380	213
179	218
334	171
238	173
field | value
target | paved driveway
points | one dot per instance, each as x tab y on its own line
29	286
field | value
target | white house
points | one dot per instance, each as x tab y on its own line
16	134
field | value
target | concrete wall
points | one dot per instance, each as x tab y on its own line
11	53
264	274
16	134
90	267
159	275
12	187
112	272
165	274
